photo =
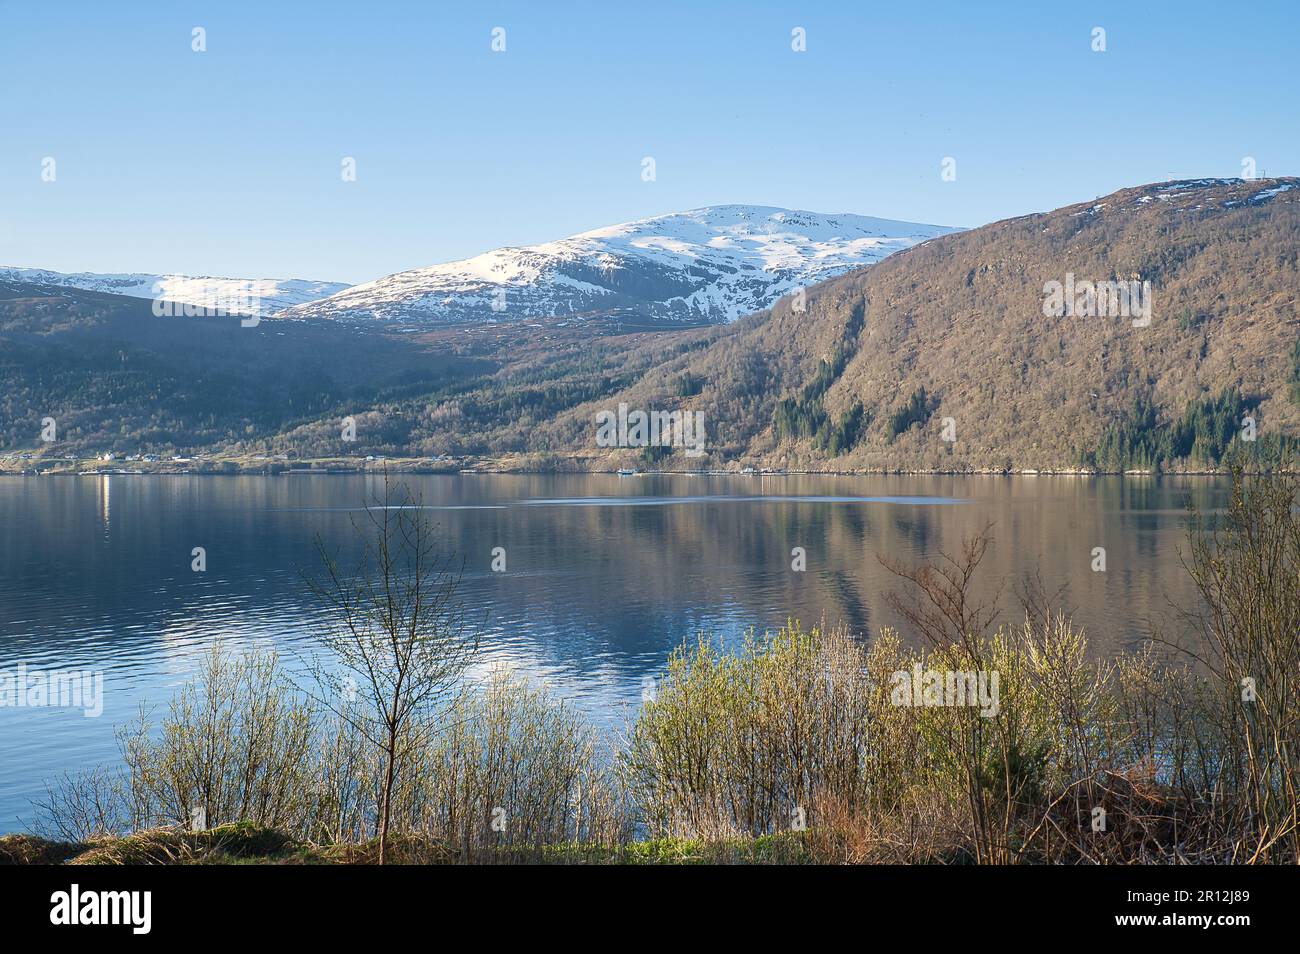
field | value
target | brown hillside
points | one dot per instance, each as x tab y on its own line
962	317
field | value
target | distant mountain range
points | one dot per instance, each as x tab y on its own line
705	266
269	295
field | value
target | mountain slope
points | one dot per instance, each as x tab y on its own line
704	266
955	328
116	377
265	295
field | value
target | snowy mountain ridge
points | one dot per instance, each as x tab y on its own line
711	265
706	265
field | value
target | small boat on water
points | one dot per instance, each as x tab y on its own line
627	472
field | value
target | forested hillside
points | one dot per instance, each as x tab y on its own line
951	339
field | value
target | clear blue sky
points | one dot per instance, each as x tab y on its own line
228	162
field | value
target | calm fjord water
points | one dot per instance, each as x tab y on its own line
605	575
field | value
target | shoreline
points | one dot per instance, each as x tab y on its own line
312	467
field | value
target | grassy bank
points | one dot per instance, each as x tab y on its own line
244	843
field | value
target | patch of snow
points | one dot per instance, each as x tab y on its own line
270	295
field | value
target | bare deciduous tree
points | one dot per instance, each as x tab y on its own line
942	608
396	631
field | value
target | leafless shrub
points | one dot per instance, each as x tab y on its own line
1246	566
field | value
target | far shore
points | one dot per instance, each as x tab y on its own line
24	464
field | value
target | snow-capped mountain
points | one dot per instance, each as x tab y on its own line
261	296
707	265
